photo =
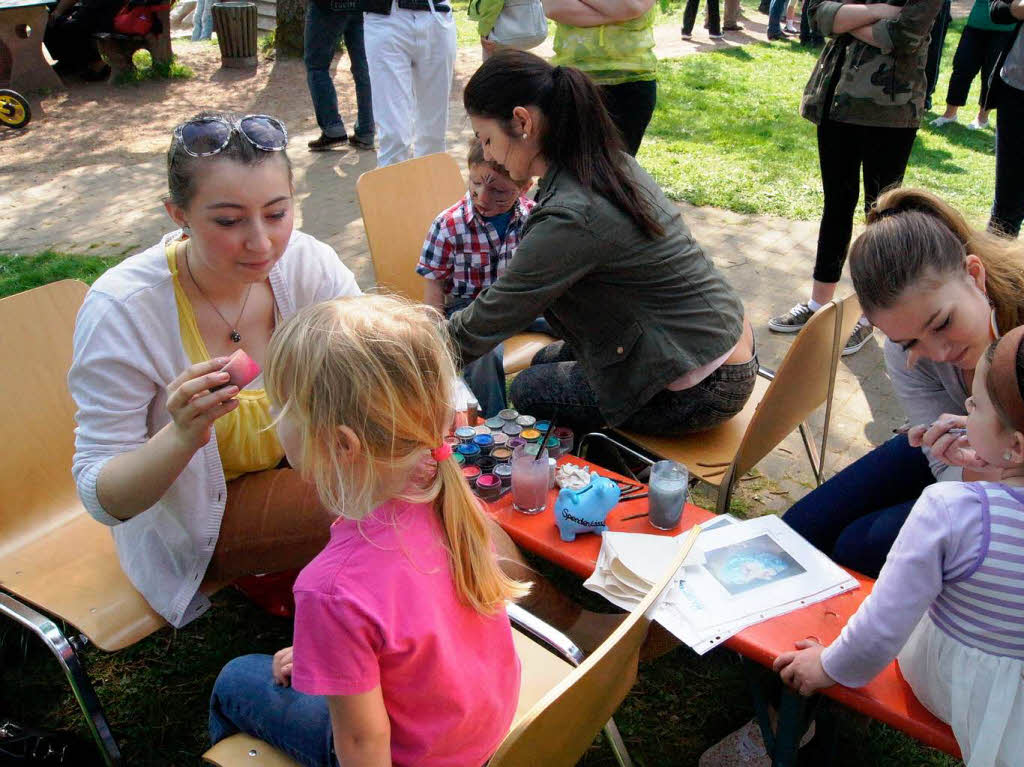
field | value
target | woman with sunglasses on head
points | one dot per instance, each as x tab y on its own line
178	461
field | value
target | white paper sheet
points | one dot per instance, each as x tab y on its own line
739	573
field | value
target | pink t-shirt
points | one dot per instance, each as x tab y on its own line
378	606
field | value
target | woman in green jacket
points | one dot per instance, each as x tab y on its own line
655	338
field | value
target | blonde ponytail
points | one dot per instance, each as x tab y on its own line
382	367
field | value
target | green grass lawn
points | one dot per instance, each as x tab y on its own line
156	692
727	132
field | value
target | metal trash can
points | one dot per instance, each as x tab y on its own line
235	24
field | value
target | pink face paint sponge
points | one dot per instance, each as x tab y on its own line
241	368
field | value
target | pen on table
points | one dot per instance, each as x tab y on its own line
907	427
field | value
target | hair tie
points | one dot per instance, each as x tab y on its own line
441	452
1002	382
881	213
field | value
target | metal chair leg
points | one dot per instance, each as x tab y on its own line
54	638
618	746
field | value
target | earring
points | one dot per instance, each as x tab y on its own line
186	230
1007	455
524	137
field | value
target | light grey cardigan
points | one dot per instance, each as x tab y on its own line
127	349
926	391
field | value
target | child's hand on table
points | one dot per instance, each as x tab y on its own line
801	669
282	667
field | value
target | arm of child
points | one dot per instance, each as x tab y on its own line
433	294
361	729
930	549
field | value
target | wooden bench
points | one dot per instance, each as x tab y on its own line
887	698
117	49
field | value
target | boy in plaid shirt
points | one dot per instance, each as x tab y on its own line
470	244
467	248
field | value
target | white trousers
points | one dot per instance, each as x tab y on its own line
411	55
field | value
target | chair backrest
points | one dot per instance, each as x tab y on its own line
37	414
804	380
563	724
399	203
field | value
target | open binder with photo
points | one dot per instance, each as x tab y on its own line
738	574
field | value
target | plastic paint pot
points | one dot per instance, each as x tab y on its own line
486	463
500	438
512	429
508	414
459	458
469	451
485	442
530	435
494	423
504	472
465	433
515	442
564	435
453	441
488	487
526	421
502	454
470	473
542	426
481	429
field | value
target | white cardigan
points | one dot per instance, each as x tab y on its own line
127	349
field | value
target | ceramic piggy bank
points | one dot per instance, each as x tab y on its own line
584	510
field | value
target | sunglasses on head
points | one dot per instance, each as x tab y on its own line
205	136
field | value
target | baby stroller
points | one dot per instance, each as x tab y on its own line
14	110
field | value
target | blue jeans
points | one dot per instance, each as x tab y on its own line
246	699
775	13
856	516
485	376
320	41
202	20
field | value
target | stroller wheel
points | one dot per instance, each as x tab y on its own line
14	109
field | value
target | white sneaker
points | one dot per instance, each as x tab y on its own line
790	29
938	122
975	125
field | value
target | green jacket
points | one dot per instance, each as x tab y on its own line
485	13
882	87
639	313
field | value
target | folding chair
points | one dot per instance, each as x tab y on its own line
564	701
781	402
54	557
399	203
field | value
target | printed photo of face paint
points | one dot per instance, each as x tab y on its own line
241	369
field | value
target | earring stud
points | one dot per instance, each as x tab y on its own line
1007	455
186	230
524	137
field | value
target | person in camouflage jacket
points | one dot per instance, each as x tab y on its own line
866	95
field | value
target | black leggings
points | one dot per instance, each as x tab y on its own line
1008	207
631	106
842	149
977	52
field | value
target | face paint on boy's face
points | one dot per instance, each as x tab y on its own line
492	193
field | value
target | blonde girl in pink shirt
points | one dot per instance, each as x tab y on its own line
402	648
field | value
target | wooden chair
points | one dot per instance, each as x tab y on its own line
399	203
781	402
54	557
564	701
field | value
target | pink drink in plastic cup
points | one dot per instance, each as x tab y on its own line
530	476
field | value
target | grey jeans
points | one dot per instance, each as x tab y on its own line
555	386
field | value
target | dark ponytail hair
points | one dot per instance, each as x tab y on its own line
578	134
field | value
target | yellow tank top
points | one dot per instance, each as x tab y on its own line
244	441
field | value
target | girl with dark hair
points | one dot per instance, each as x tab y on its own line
176	460
942	293
655	338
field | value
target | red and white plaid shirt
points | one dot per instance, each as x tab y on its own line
465	252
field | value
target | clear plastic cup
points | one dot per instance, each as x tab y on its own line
667	494
530	476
